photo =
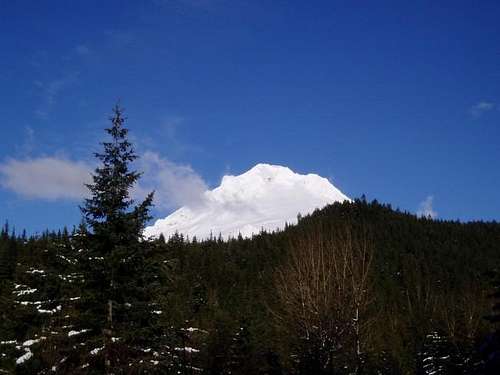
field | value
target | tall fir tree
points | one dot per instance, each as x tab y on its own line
114	263
117	292
495	296
491	346
90	303
8	253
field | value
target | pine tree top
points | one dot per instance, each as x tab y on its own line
112	181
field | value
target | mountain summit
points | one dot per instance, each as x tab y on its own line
265	197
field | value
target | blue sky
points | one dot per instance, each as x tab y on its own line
394	100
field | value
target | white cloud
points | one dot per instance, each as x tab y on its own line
480	108
56	178
49	178
175	185
425	208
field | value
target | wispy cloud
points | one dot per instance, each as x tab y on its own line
175	184
48	178
120	38
169	130
50	92
189	3
425	209
51	88
170	134
480	108
28	145
82	50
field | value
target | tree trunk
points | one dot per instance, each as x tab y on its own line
108	333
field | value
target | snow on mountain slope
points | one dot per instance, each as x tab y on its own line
266	197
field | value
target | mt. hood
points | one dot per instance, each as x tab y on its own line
266	197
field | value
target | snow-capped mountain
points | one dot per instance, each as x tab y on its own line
266	197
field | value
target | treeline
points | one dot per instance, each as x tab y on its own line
354	288
414	299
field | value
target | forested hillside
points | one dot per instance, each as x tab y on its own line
231	307
354	288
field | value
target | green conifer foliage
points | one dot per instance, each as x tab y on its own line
495	315
116	296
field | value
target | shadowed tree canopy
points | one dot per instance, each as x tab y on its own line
107	208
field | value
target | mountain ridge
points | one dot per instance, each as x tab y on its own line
266	197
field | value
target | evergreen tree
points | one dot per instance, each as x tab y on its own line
491	346
116	296
495	295
8	253
54	303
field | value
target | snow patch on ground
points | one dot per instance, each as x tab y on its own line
27	355
74	333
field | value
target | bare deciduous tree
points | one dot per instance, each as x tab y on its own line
324	290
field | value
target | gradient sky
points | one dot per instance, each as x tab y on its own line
399	101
